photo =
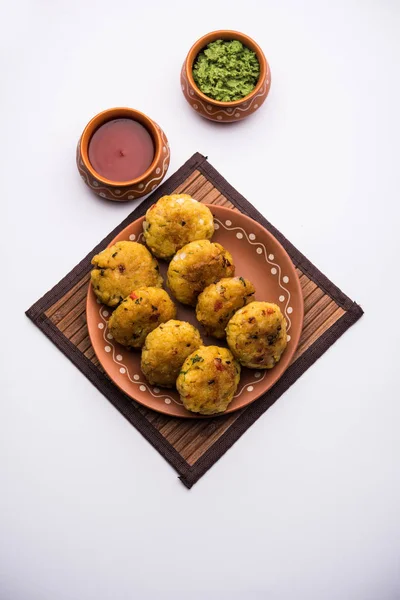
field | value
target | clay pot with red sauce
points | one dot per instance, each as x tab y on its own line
122	154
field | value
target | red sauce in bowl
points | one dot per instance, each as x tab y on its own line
121	150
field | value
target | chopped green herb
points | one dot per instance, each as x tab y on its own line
226	70
114	255
153	307
183	373
102	272
196	359
243	281
211	381
183	223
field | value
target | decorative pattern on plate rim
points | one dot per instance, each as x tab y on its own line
228	112
249	386
139	239
270	259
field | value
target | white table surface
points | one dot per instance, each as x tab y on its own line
306	504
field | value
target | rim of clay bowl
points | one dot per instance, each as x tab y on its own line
119	113
225	34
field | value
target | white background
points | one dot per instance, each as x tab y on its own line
306	504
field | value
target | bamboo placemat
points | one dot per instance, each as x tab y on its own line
192	446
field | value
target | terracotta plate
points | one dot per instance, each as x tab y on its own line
257	256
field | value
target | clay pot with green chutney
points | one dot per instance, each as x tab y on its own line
225	111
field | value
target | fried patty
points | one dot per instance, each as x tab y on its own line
256	335
138	314
122	268
195	266
219	302
166	349
208	380
173	222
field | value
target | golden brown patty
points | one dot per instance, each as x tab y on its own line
208	380
166	349
141	312
174	221
195	266
219	302
122	268
256	334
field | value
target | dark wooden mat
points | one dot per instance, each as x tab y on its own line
193	446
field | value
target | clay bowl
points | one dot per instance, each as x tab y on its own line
126	190
225	112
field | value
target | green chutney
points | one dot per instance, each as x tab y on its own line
226	70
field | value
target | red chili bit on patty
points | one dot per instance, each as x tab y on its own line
270	311
218	305
218	364
133	296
